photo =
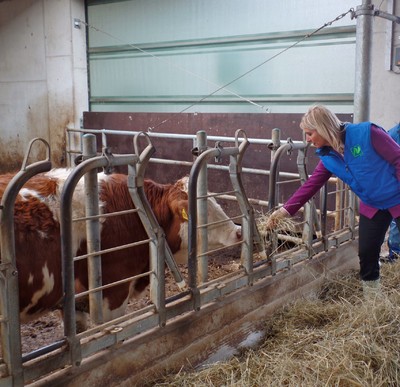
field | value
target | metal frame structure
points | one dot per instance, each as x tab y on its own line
18	368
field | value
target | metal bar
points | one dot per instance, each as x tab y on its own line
310	213
9	299
296	98
159	252
250	235
107	286
272	238
192	242
220	221
138	181
324	215
93	232
339	204
43	350
220	249
202	209
363	64
215	194
389	38
111	249
117	213
253	38
274	169
177	136
387	16
66	243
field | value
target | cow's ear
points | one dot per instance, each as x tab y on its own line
182	210
184	214
183	184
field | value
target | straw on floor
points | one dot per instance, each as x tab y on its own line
334	339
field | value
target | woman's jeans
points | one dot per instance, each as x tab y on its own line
371	237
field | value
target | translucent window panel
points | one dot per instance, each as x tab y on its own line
139	21
304	69
192	51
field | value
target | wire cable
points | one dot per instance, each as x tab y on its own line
223	87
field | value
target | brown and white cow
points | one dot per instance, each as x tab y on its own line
38	246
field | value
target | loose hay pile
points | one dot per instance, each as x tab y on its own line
336	339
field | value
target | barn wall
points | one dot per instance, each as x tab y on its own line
43	75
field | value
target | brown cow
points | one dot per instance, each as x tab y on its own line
38	247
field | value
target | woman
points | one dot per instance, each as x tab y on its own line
366	158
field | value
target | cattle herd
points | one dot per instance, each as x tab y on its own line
38	242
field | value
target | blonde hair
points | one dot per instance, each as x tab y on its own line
327	125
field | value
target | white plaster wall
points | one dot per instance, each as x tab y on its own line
385	84
43	76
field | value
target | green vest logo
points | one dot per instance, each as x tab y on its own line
356	151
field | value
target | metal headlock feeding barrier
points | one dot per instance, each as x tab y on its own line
71	356
18	369
76	347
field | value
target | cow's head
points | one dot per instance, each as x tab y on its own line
221	231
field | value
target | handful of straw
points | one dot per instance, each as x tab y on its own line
283	224
284	227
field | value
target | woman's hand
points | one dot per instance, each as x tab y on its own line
275	218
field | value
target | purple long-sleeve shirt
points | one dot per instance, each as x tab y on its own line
383	144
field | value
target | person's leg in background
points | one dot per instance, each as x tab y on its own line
394	240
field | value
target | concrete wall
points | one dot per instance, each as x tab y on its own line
385	82
43	75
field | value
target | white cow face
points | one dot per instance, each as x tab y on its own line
223	233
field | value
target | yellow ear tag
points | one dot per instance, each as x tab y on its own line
184	214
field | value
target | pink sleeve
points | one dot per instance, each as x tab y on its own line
386	147
319	177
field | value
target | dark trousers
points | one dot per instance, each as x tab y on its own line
371	237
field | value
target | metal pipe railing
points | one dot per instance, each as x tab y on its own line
93	231
67	242
9	293
135	182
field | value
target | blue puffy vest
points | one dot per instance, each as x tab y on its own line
368	175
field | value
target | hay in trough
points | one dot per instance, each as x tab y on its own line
335	339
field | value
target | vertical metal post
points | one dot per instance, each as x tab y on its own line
250	235
9	289
339	205
310	212
276	143
363	61
74	347
93	231
273	193
202	191
324	214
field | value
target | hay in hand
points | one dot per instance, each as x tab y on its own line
285	228
334	339
283	224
